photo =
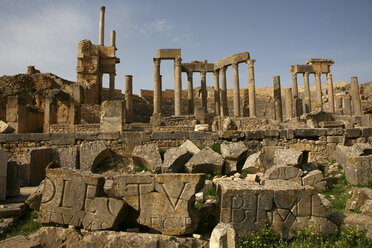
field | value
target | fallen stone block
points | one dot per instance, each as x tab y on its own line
147	156
359	197
254	163
290	157
224	236
363	222
190	147
175	160
73	198
34	200
206	161
314	178
19	242
366	208
91	154
67	157
38	159
5	128
229	124
233	151
283	172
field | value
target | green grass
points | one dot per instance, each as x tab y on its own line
25	225
162	152
340	193
198	205
138	168
345	237
211	193
216	147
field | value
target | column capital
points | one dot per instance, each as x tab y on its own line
203	73
318	74
294	75
156	61
223	69
177	61
189	74
250	62
235	66
306	74
329	76
216	73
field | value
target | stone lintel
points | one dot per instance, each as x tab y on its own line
169	53
232	59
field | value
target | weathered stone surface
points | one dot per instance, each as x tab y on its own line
254	163
175	160
3	174
190	147
19	242
12	182
291	157
201	128
67	157
366	208
224	236
54	237
73	198
39	159
282	172
231	166
361	221
233	151
34	200
314	178
359	197
165	202
206	161
112	116
147	156
317	225
229	124
91	154
5	128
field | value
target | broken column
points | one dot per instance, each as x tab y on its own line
307	93
297	107
245	103
331	97
278	115
112	86
294	84
177	87
346	105
339	110
217	102
355	96
252	88
236	89
223	91
113	38
49	110
203	84
128	99
318	85
157	89
102	27
288	103
190	93
3	173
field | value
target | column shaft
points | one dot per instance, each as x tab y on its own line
223	92
355	96
294	85
157	89
101	34
112	86
307	99
217	103
190	93
204	94
236	90
277	100
252	88
331	97
113	38
288	103
177	87
318	85
129	98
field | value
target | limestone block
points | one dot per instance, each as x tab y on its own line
5	128
19	242
91	154
175	160
67	157
314	178
34	200
206	161
229	124
3	174
317	225
224	236
361	221
233	151
359	170
112	116
254	163
201	128
39	159
231	166
282	172
147	156
190	147
165	202
291	157
359	197
12	182
73	198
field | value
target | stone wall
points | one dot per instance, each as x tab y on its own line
90	113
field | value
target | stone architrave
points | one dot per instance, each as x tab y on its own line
112	116
290	157
67	157
39	159
175	159
147	156
205	161
277	100
252	88
236	89
346	104
91	154
224	236
164	202
72	197
288	102
3	174
355	96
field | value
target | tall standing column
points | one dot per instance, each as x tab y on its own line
252	88
177	87
318	85
307	99
113	38
331	97
157	89
277	100
288	103
102	27
355	96
217	103
223	92
294	85
161	93
112	86
236	89
190	93
129	98
204	94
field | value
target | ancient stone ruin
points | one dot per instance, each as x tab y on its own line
200	167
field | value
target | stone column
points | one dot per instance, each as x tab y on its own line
307	99
245	103
339	110
157	89
252	88
102	27
204	94
355	96
113	38
318	85
129	98
217	103
288	103
3	173
297	107
112	86
223	92
177	87
346	105
331	97
161	93
236	90
190	93
277	100
294	84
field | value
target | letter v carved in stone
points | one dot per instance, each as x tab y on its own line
172	200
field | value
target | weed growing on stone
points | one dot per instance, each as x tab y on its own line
138	168
211	193
216	147
162	152
338	194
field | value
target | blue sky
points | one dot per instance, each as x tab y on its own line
277	33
